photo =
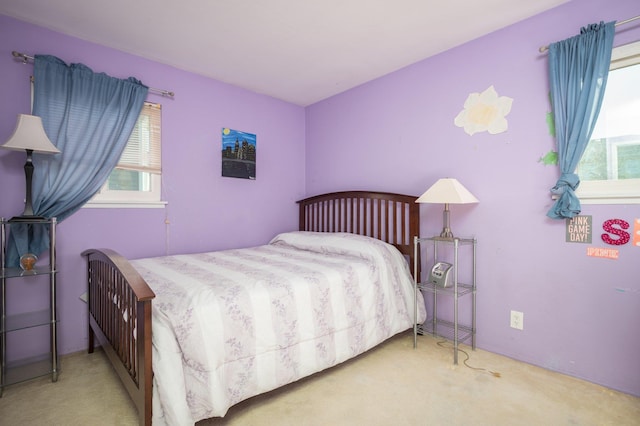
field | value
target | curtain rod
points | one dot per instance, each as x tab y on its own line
26	58
626	21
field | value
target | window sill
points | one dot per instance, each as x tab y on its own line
125	205
605	200
610	200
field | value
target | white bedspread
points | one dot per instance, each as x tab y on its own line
233	324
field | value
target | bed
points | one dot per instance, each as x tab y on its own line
192	335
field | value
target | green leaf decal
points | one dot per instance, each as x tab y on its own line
549	159
551	124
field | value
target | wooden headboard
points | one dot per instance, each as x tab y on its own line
393	218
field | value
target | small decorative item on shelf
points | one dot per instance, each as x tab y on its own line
28	261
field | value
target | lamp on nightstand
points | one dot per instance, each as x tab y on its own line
447	191
29	136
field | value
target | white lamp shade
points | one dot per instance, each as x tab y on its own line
447	191
29	134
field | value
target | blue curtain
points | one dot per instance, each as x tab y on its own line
89	117
578	70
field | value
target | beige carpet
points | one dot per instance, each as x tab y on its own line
390	385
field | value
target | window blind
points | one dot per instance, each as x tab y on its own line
143	151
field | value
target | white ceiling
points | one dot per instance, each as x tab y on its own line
300	51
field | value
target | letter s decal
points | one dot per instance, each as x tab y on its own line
623	237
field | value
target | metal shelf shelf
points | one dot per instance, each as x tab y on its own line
12	372
27	369
446	330
27	320
20	273
440	327
433	288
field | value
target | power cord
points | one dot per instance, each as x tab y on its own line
441	343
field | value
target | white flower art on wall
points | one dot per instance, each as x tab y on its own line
484	111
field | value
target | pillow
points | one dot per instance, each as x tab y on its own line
342	243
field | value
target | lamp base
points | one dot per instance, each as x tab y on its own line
446	233
446	227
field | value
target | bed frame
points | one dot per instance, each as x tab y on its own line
120	299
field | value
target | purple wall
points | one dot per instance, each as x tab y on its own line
397	134
205	211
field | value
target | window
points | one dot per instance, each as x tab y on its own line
137	177
610	167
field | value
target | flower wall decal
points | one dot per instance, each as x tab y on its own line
484	111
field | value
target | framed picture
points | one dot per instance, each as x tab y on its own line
238	154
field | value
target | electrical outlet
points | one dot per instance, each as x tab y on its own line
517	320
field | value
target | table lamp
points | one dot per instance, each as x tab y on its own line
30	136
447	191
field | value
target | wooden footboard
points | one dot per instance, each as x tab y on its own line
120	318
